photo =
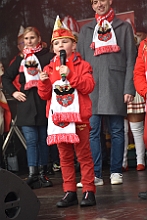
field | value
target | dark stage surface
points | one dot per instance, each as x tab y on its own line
114	202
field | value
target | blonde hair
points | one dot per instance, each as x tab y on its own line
29	29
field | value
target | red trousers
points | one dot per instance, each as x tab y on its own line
84	157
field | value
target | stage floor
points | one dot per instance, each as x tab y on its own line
114	202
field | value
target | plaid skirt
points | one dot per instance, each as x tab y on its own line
137	106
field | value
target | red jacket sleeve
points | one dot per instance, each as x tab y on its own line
82	78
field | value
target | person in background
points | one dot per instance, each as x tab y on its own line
140	73
107	43
1	73
54	163
139	36
5	114
20	39
135	120
20	46
54	160
66	83
30	107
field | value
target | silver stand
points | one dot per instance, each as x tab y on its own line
13	129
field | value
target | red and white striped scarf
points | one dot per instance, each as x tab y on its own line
104	39
30	51
30	66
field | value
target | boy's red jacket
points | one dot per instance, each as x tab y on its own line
81	79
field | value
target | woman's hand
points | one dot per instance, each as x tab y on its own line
43	76
21	97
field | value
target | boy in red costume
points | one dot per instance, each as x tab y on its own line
66	89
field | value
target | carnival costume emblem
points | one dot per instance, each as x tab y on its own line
64	94
32	67
104	33
65	100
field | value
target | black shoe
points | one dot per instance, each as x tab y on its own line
33	182
142	195
88	199
69	199
45	181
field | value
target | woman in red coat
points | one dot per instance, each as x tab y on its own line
140	81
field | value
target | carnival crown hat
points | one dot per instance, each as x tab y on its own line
21	31
61	31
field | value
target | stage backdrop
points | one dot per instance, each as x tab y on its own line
42	14
125	16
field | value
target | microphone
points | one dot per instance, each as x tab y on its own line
63	62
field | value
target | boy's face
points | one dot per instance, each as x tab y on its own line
64	44
101	7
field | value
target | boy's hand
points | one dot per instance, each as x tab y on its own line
64	70
43	76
